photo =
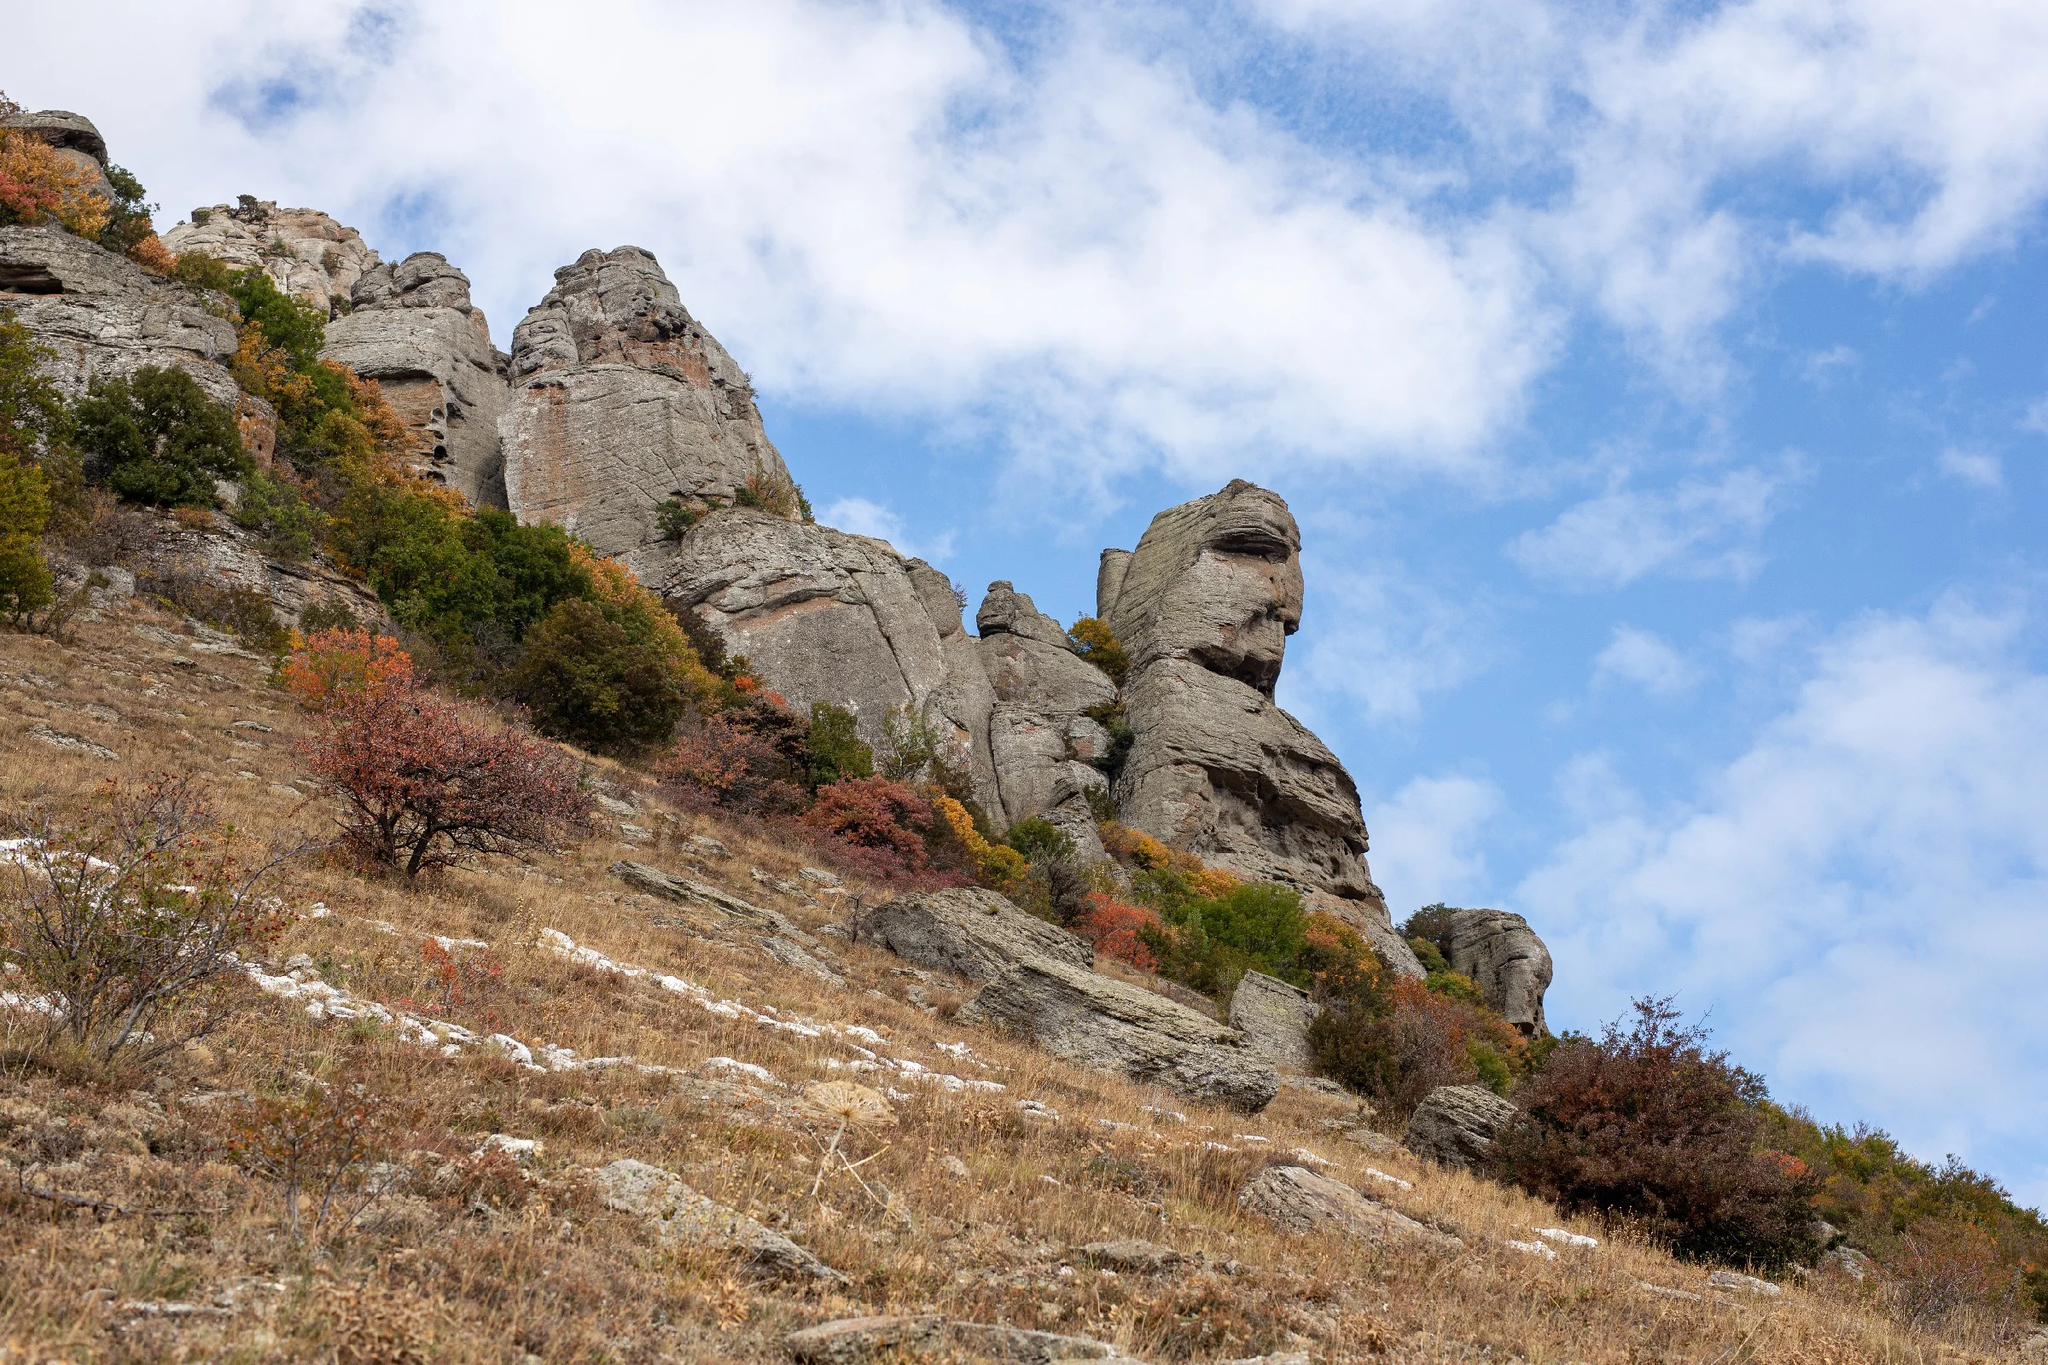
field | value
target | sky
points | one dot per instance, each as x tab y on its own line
1662	391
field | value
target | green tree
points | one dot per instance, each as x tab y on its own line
156	437
585	678
837	751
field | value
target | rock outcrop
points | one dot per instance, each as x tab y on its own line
1274	1017
415	331
1505	959
103	316
679	1214
1096	1021
1296	1199
622	401
304	251
1204	607
73	137
1457	1125
973	933
1042	742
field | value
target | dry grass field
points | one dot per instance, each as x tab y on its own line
961	1199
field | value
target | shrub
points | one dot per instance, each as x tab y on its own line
674	518
155	437
1110	716
1093	641
1119	930
913	744
1394	1049
36	185
330	664
715	761
289	526
1039	840
1649	1125
132	919
997	866
586	679
323	1143
32	409
25	584
837	752
873	813
429	782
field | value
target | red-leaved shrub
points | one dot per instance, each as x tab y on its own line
431	782
714	761
885	819
1117	929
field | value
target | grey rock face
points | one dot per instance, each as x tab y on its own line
103	316
1296	1199
1133	1255
304	251
227	557
974	933
1040	737
1204	606
621	401
851	1340
1458	1124
416	333
1096	1021
1505	959
1274	1017
680	1214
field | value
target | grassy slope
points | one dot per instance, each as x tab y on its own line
559	1278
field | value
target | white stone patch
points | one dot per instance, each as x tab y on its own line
1566	1238
759	1073
1396	1181
1535	1249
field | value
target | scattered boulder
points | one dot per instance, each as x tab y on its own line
1274	1018
1296	1199
620	401
1850	1262
1730	1282
304	251
415	331
1457	1125
1022	1346
1133	1256
1505	959
1096	1021
685	891
851	1340
680	1214
972	933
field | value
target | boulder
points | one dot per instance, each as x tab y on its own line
848	1341
1274	1018
678	1213
1296	1199
304	251
415	331
1505	959
1096	1021
670	886
1456	1125
102	316
1133	1256
828	616
1025	1346
621	401
972	933
1204	607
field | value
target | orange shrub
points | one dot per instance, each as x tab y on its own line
333	663
1119	930
36	184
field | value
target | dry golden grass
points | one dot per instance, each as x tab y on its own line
474	1262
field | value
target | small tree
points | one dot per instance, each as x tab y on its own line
428	782
156	437
131	920
717	762
876	814
343	662
1094	642
837	752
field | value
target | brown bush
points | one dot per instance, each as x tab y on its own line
1650	1126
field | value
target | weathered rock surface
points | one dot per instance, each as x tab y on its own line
828	616
1042	743
620	401
1274	1018
1296	1199
687	891
103	316
1025	1346
304	251
1097	1021
680	1214
1204	606
973	933
1456	1125
850	1340
1505	959
415	331
1133	1255
74	138
227	557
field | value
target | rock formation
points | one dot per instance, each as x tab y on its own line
304	251
1296	1199
1457	1125
77	142
1505	959
620	402
1204	606
103	316
973	933
414	330
1274	1018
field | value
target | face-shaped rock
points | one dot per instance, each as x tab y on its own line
1218	581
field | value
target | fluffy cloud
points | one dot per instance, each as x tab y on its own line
1427	840
1973	467
1380	641
865	517
1866	881
1640	657
1700	528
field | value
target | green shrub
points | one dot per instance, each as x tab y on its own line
128	220
1039	840
837	752
155	437
585	678
290	526
912	744
1110	716
1456	985
197	270
1209	942
25	584
674	518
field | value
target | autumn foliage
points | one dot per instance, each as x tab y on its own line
337	663
884	820
37	185
1119	929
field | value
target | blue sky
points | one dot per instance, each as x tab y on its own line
1662	390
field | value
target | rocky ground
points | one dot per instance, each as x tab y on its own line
650	1100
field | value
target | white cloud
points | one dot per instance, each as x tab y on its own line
1700	529
1821	367
2037	416
1426	841
1640	657
1867	879
864	517
1380	640
1973	467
